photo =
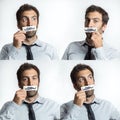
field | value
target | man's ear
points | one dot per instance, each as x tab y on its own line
75	86
20	86
18	26
93	81
104	27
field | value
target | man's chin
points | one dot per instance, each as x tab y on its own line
31	93
89	93
30	34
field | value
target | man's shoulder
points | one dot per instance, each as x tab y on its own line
10	103
76	43
68	104
102	101
8	45
47	101
44	44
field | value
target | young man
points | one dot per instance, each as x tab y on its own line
85	105
18	109
93	47
26	44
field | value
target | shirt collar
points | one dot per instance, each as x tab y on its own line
83	43
38	43
40	100
96	101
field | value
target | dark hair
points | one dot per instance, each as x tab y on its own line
23	8
93	8
76	69
26	66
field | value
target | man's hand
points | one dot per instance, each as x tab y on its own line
20	95
80	98
18	39
97	39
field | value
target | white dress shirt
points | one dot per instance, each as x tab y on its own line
103	110
41	51
44	109
77	51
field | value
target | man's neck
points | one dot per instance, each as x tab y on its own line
90	99
30	41
89	42
31	99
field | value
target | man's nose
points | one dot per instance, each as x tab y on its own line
30	82
91	24
87	82
29	22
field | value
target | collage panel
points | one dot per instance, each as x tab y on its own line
61	29
56	85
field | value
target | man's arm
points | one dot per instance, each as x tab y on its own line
115	114
70	113
8	52
8	111
74	110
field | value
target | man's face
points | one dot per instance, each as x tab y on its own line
84	78
29	78
94	19
29	18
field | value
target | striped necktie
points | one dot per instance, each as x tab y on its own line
89	111
30	111
28	51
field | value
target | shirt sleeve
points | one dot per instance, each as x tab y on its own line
65	55
100	54
107	53
70	113
55	54
7	52
57	113
115	114
8	111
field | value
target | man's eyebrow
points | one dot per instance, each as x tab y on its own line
35	76
84	76
92	18
28	17
90	75
96	18
30	76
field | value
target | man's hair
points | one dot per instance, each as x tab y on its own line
27	66
23	8
94	8
76	69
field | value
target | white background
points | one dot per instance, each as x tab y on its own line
55	82
61	21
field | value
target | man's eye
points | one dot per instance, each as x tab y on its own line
24	19
95	21
34	18
90	77
81	79
35	78
24	79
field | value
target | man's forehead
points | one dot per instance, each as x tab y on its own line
29	13
29	71
94	13
85	72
